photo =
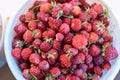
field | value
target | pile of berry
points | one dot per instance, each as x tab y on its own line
63	40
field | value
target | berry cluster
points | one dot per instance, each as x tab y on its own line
63	40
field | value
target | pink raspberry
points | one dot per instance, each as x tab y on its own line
94	50
29	16
98	70
56	45
56	10
43	16
37	33
23	66
16	52
28	37
59	36
67	20
80	58
44	55
42	26
76	24
87	26
75	78
54	23
22	18
68	38
66	47
64	28
45	46
67	8
85	33
78	72
35	71
44	65
98	60
36	43
26	74
88	59
55	72
32	25
84	16
49	34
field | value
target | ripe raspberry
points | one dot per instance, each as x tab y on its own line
44	65
98	8
74	3
42	26
93	14
64	28
72	51
35	71
59	36
108	39
56	45
26	52
36	43
94	50
64	70
20	28
67	8
23	66
49	34
76	24
84	16
90	67
110	53
45	46
87	26
44	55
55	72
43	16
79	41
67	20
32	25
65	61
26	74
56	11
82	1
95	77
75	78
85	33
68	77
52	56
16	52
37	33
78	72
28	36
97	70
35	58
80	58
54	23
62	77
22	18
98	60
45	7
83	67
106	66
93	37
66	47
68	38
105	20
29	16
88	59
76	11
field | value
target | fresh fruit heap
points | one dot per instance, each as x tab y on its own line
63	40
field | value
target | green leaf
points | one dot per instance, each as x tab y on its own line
35	7
35	33
32	20
60	13
48	77
70	16
19	44
105	14
34	77
49	40
53	3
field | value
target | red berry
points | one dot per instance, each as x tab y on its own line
108	39
84	16
79	41
20	28
76	11
88	59
87	26
66	47
83	67
67	20
62	77
28	37
56	45
37	33
22	18
93	14
56	11
76	24
68	77
95	77
41	25
85	33
110	53
106	66
35	71
59	36
16	52
26	74
98	8
49	34
36	43
64	28
43	16
72	51
35	58
29	16
54	23
80	58
16	39
93	37
55	72
45	46
98	60
26	52
44	65
45	7
78	72
97	70
32	25
23	66
75	78
94	50
67	8
65	60
44	55
68	38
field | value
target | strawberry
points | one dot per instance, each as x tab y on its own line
106	66
94	50
26	74
26	52
64	28
29	16
35	71
98	8
45	8
79	41
97	70
20	28
76	11
45	46
35	58
65	61
55	72
59	36
76	24
32	25
16	52
110	53
44	65
93	37
37	33
28	37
